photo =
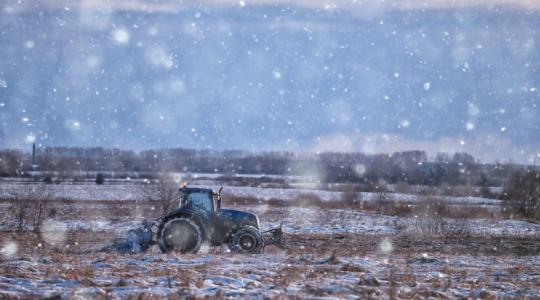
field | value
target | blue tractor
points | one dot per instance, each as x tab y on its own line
200	219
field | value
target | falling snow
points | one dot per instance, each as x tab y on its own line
382	106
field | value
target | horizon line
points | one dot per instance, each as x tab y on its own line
430	157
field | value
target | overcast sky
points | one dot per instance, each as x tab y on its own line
167	5
370	76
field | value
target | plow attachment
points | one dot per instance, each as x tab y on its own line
136	241
274	237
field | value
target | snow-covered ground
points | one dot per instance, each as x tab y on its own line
132	191
83	192
296	220
270	276
378	256
288	194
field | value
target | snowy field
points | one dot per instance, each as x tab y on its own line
296	220
330	253
271	276
381	264
132	191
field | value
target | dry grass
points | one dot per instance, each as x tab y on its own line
434	225
383	204
388	207
428	206
348	200
290	274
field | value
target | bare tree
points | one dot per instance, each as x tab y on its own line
163	191
522	194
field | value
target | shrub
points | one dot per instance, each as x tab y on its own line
350	198
29	207
382	200
37	214
100	178
307	200
486	192
401	209
376	187
438	226
522	194
48	179
19	209
404	188
230	199
434	206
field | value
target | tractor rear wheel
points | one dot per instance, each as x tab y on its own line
181	235
247	239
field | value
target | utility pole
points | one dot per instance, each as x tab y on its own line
33	153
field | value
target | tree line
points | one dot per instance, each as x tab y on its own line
412	167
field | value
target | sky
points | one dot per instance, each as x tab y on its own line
367	76
176	5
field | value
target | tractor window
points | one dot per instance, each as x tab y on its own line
201	201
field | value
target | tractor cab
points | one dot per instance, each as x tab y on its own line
198	199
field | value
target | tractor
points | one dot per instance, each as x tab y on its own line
200	219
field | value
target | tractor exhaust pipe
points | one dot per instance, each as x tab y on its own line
219	199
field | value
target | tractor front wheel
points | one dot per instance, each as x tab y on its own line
247	239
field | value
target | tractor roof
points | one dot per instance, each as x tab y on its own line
195	190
